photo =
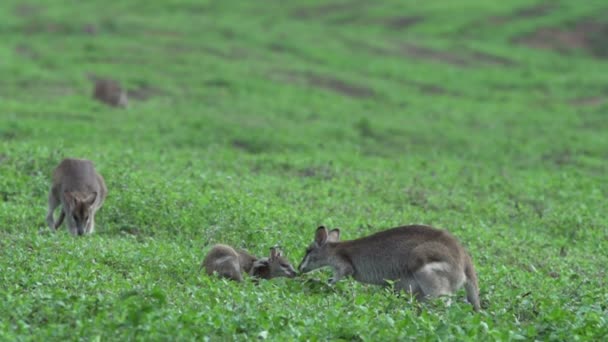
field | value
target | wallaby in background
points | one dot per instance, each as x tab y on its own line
231	263
80	191
420	260
110	92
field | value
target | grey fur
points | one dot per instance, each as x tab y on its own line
421	260
80	191
232	263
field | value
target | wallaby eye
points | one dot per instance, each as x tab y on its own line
308	250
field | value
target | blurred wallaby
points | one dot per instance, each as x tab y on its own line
231	263
421	260
110	92
80	191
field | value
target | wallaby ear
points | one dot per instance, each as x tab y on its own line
321	236
334	235
275	252
90	199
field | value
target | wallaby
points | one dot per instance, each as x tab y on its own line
421	260
80	191
231	263
110	92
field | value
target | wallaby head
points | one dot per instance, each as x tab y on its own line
80	211
274	266
319	252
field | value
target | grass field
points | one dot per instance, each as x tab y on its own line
251	123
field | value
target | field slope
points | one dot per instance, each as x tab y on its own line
251	123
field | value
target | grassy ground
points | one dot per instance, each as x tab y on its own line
250	123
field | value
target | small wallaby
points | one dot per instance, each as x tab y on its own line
421	260
231	263
80	191
110	92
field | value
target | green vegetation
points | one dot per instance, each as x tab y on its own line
251	123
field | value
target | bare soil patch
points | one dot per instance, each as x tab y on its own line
144	92
588	101
422	52
339	86
27	10
429	88
326	82
458	56
322	172
588	34
400	23
489	58
462	56
281	48
328	9
531	12
26	51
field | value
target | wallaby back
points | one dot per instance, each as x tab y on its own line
225	261
418	259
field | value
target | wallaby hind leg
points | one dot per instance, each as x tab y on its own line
231	269
54	202
91	227
434	280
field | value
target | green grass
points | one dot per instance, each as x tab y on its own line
267	119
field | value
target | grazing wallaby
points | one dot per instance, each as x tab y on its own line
421	260
80	191
110	92
230	263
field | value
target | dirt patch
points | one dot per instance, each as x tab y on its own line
490	59
462	56
26	51
429	88
252	147
284	49
559	158
535	11
457	56
144	92
27	10
421	52
328	9
400	23
588	35
339	86
322	172
326	82
588	101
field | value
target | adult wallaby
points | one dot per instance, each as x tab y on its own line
80	191
421	260
110	92
231	263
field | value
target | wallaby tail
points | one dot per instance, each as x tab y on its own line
471	285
